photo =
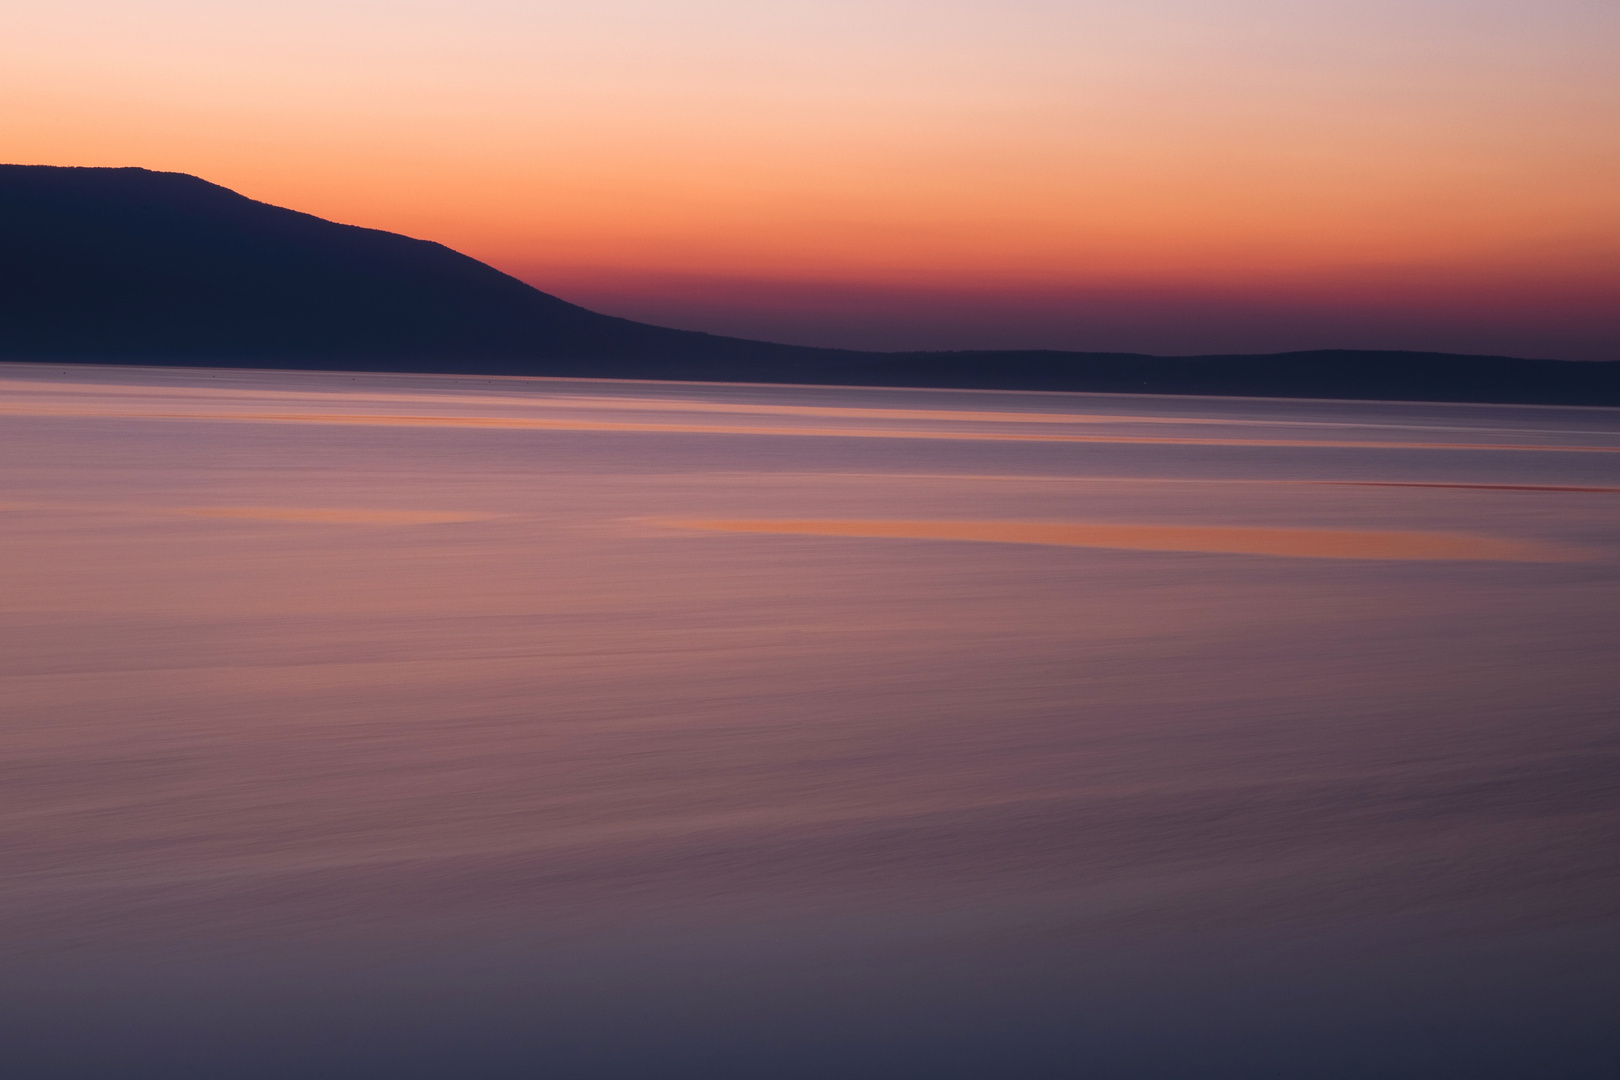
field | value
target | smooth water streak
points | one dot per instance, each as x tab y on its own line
1223	540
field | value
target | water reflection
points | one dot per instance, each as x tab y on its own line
1226	540
492	747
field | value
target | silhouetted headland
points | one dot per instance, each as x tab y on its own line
129	266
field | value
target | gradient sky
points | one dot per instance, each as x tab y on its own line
1158	175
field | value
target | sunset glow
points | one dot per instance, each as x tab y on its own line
1164	176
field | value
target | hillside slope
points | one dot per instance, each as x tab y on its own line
133	266
121	265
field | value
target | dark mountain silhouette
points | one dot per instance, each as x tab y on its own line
138	267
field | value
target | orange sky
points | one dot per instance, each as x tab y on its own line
1167	175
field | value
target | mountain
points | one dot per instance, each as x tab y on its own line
133	266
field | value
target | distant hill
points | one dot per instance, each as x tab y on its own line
133	266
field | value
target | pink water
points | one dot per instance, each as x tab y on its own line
415	726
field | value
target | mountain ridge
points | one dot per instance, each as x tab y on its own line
128	265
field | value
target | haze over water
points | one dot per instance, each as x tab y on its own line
425	726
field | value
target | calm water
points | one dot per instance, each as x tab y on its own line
432	727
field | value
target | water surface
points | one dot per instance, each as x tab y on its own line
421	726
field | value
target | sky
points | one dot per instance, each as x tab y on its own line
1168	176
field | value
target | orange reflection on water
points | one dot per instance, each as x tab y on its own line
540	423
1289	543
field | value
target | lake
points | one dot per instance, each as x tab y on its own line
418	726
